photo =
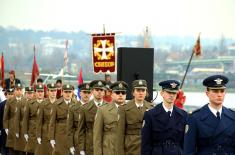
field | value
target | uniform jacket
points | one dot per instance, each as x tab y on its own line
3	135
75	128
58	126
29	124
42	127
133	125
90	110
206	135
161	134
9	121
109	131
19	142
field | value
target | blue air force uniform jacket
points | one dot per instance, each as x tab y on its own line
206	135
161	134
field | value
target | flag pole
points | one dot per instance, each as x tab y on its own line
189	63
196	50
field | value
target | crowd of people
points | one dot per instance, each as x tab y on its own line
49	120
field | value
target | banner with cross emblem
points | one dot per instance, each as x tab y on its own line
103	47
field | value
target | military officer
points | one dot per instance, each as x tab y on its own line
29	93
20	105
9	123
90	109
85	93
58	124
29	120
211	129
164	125
134	113
108	126
75	122
43	119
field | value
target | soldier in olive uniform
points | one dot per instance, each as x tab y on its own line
108	127
29	121
98	87
75	122
134	113
43	120
85	93
29	93
19	141
9	122
58	122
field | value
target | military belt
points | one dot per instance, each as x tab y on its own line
133	131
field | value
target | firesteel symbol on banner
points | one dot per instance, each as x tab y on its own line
100	52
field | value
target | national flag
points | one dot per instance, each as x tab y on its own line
80	81
35	70
2	67
197	47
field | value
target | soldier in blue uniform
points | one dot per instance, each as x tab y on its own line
164	125
211	129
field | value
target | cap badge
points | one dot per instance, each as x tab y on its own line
173	85
67	86
107	86
218	81
18	85
40	86
120	85
140	82
99	83
52	85
87	86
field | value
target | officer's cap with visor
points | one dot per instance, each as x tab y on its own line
100	84
139	84
84	87
119	86
171	86
29	89
67	87
10	91
39	87
51	86
18	86
216	82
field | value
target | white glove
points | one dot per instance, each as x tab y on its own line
26	137
52	143
17	135
6	130
82	152
72	150
39	140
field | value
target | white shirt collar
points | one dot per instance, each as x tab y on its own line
39	101
116	105
166	109
98	104
82	102
18	98
214	111
139	105
67	101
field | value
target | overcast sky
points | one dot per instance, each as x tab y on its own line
164	17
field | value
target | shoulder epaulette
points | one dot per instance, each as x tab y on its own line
195	111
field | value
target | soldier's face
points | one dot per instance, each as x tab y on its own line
18	92
139	94
39	94
119	97
67	94
29	95
52	93
168	97
98	93
85	96
216	96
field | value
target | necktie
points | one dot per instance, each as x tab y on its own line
218	115
169	113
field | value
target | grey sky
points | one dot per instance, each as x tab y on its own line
164	17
